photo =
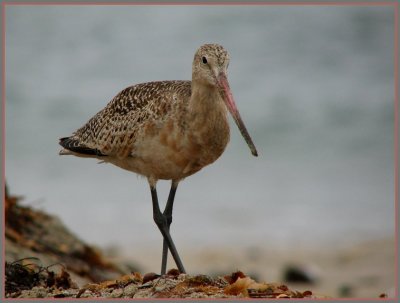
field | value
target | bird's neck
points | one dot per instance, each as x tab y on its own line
207	123
205	103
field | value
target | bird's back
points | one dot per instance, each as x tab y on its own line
114	130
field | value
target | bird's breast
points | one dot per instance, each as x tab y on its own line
205	143
169	151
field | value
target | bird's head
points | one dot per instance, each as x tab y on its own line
210	61
210	66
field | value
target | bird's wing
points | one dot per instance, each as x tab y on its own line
113	130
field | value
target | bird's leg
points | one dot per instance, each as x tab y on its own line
168	215
162	223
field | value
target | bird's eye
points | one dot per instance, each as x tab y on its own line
204	59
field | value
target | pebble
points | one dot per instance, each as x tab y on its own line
130	290
117	293
159	288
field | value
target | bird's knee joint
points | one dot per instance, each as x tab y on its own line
169	219
160	219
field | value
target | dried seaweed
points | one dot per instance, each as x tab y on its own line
23	276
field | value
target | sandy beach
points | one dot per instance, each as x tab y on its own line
363	270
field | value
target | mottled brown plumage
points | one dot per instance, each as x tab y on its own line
165	130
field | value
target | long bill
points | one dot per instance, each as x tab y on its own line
230	103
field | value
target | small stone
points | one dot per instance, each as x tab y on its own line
150	277
117	293
130	290
159	288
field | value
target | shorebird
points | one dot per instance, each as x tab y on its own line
165	130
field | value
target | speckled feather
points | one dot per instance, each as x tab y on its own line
118	125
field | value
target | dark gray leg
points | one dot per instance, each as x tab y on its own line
168	215
162	223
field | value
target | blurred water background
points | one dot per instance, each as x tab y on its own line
314	86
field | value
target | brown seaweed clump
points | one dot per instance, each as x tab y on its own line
24	275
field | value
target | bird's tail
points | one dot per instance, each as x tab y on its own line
72	146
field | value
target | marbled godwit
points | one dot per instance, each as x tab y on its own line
165	130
